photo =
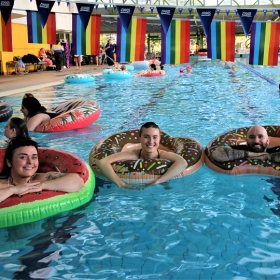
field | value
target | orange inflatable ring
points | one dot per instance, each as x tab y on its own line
152	74
245	165
72	114
139	171
36	206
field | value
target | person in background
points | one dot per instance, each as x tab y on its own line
57	51
78	61
189	69
43	56
123	68
197	48
115	52
109	48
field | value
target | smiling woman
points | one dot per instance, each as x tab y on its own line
19	175
145	156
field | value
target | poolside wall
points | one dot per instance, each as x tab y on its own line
21	46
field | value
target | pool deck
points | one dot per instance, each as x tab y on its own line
12	84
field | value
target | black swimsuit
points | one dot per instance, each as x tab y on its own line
141	151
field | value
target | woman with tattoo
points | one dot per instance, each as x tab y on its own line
19	176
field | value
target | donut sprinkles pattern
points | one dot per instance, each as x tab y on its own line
189	148
231	138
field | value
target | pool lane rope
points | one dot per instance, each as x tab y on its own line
258	73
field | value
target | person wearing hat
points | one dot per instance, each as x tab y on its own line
189	69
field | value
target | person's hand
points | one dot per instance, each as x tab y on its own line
260	156
27	188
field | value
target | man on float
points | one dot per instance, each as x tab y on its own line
256	147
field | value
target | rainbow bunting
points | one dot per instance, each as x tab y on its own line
6	44
264	43
36	33
221	40
131	45
175	45
86	42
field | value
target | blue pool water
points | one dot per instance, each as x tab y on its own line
203	226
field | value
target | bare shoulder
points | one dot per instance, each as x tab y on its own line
169	155
3	183
42	177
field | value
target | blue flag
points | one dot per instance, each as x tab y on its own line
85	11
125	13
44	9
6	9
246	17
166	15
206	16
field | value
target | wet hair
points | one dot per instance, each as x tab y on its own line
33	106
153	66
123	67
148	125
28	95
13	145
162	67
20	126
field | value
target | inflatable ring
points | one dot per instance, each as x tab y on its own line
245	165
152	74
140	65
72	114
154	61
110	74
79	78
32	206
6	111
139	171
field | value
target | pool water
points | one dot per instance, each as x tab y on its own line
202	226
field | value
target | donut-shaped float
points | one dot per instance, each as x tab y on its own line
6	111
36	206
139	171
120	75
245	165
71	115
140	65
152	74
79	78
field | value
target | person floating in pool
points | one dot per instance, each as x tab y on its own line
150	138
153	69
117	67
15	127
123	68
34	113
189	69
233	68
256	147
19	176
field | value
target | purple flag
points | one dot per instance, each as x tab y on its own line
246	17
44	9
166	15
85	11
125	13
206	16
6	9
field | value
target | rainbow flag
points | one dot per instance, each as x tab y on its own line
221	40
86	42
131	45
264	43
36	33
6	44
175	45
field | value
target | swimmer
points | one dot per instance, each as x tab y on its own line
256	147
123	68
222	62
233	68
172	65
143	72
181	70
117	68
34	113
189	69
19	176
150	138
15	127
161	66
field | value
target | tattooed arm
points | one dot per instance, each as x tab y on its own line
66	182
226	153
275	157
